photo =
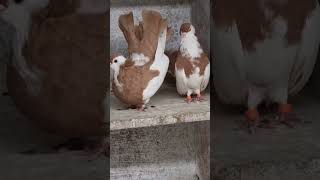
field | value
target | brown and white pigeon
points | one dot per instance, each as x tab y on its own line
137	78
191	64
264	52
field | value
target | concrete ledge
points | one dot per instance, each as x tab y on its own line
147	2
168	171
166	107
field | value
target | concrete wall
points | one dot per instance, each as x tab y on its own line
179	151
176	12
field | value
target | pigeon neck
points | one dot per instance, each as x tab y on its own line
190	47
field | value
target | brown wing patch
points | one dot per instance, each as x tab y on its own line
254	26
172	61
185	27
189	66
126	24
139	31
202	63
169	33
135	80
74	84
143	38
153	24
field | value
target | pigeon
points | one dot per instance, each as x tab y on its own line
191	65
264	52
72	102
137	78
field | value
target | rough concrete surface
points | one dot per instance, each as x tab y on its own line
276	154
168	141
176	151
17	134
165	107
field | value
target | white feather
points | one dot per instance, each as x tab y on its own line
139	59
206	77
194	82
161	63
115	68
270	71
189	45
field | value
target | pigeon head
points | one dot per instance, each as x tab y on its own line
116	62
189	45
186	29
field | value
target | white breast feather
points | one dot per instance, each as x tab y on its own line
161	63
273	64
206	77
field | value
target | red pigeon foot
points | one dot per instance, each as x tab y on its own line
142	108
253	120
200	98
286	116
188	99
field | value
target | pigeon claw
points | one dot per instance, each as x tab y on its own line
200	98
252	116
188	99
141	108
286	117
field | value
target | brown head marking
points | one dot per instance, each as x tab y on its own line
113	56
185	27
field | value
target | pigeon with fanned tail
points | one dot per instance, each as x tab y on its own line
137	78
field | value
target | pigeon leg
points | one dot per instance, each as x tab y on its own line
142	108
189	98
285	115
252	117
199	96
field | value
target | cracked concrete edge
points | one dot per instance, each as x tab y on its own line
159	120
171	171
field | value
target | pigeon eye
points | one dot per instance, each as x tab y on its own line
115	61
